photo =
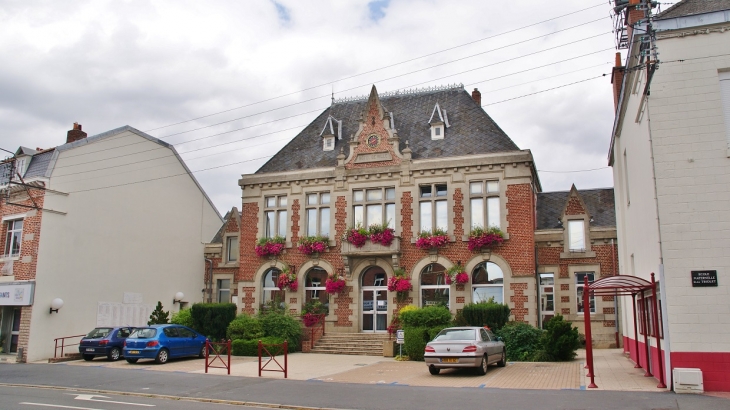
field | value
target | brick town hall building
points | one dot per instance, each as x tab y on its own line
417	161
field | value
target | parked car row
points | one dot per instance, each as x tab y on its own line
158	342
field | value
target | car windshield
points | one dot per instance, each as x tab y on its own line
99	333
456	334
145	333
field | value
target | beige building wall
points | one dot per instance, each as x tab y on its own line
117	235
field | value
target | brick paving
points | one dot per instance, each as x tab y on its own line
613	372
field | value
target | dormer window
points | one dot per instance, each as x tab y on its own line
576	235
20	167
439	121
329	143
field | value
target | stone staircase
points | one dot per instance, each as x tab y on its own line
369	344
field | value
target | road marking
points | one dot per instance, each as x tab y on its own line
58	406
90	397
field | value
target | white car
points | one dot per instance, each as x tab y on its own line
475	347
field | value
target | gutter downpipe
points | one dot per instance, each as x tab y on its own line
209	285
662	284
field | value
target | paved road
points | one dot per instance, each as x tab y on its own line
293	393
31	398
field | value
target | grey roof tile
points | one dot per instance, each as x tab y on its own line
39	165
472	131
600	204
692	7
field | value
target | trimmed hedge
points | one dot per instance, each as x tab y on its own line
414	342
494	315
242	347
212	319
431	316
244	327
522	342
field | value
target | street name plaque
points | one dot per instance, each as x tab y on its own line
704	278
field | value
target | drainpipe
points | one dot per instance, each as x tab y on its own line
615	296
209	285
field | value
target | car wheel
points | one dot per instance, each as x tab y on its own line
162	356
202	352
114	354
88	357
482	369
434	370
503	361
132	361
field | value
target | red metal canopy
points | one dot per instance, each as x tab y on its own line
621	285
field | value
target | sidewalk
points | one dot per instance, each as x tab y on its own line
613	371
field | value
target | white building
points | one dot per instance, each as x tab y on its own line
110	224
670	154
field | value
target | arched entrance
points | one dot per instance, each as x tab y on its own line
374	297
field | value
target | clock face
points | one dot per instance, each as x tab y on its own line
373	141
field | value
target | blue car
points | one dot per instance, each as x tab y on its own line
104	341
163	342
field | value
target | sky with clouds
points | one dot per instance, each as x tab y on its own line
231	82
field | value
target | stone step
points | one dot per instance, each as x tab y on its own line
348	352
68	357
368	344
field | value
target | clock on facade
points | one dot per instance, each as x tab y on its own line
373	141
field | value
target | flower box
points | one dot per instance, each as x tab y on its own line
479	238
432	240
270	246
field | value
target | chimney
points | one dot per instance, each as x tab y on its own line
632	16
75	134
617	78
477	96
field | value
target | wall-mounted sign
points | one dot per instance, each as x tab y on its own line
17	293
704	278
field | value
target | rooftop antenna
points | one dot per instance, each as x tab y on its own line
333	95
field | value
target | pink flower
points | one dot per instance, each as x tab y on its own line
334	285
462	277
356	238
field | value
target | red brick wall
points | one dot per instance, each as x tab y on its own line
373	125
518	250
31	228
249	261
605	254
575	207
518	300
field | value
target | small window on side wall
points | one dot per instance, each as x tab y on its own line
576	236
232	249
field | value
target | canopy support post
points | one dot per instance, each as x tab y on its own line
636	333
589	341
661	384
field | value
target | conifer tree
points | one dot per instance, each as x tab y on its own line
159	316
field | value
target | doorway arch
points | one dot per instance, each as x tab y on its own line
374	300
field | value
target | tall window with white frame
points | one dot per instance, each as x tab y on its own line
576	235
318	214
579	285
433	207
275	216
547	297
487	282
13	237
224	290
374	206
484	204
315	290
434	289
231	249
272	297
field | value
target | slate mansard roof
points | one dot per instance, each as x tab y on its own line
600	204
471	130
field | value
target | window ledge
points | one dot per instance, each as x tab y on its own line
577	255
229	265
9	258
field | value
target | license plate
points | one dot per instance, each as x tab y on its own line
89	349
450	360
134	352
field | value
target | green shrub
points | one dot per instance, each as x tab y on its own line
491	314
242	347
431	316
282	326
212	319
183	317
459	320
244	327
158	316
522	341
560	340
414	342
314	307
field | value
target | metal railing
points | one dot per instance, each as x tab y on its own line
269	352
315	329
63	344
219	350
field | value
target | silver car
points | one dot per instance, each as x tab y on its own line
465	347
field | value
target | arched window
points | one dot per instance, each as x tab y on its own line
314	289
487	282
434	290
272	296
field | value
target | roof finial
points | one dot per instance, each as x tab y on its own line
333	95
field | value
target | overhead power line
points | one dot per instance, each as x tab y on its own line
382	68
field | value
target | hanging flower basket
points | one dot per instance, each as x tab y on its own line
313	244
380	233
287	280
334	284
432	240
399	282
456	274
270	246
480	238
310	319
